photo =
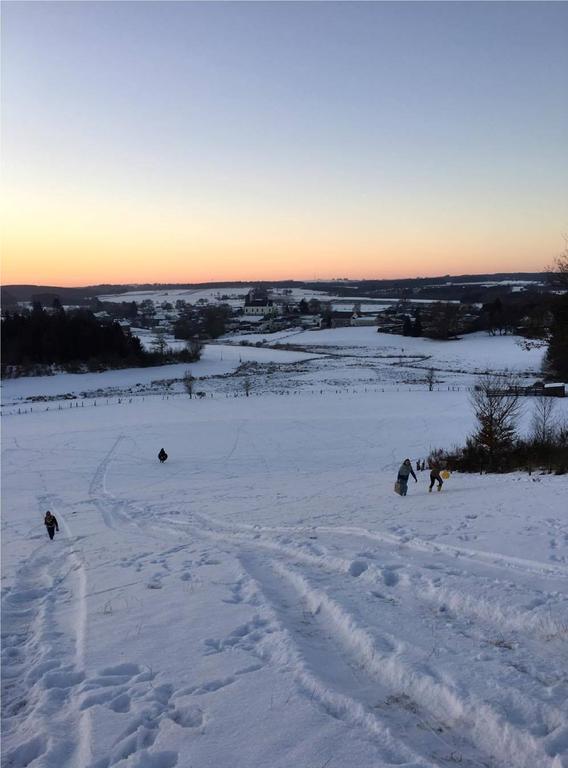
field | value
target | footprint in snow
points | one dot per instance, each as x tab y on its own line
26	752
155	582
357	567
390	577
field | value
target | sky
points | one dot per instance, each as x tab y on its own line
188	142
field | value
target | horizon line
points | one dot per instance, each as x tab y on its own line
281	280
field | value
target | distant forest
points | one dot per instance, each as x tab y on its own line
33	341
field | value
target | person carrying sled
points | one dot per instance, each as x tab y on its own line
403	474
162	455
50	522
435	476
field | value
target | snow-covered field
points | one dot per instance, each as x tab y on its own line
474	352
217	361
221	294
264	599
189	295
235	297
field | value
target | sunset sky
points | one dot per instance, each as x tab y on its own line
185	142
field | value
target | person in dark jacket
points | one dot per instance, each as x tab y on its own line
162	455
435	476
403	474
50	522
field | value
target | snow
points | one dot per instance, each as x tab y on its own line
235	297
474	352
216	360
264	598
190	295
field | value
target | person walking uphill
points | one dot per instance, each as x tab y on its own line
403	473
435	476
50	522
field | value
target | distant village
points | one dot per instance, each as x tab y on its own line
266	311
154	326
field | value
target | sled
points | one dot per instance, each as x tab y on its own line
397	488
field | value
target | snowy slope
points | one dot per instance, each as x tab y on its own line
216	360
476	352
265	599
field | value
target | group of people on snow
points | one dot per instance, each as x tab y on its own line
406	470
404	473
50	521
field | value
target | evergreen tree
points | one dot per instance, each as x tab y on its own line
556	361
417	325
65	338
497	407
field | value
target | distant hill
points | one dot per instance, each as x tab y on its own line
11	294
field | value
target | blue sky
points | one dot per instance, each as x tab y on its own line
263	139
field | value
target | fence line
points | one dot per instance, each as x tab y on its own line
122	400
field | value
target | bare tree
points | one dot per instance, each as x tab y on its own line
430	379
159	343
543	426
497	407
193	349
188	383
559	271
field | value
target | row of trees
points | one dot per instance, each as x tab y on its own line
541	317
65	339
209	322
37	340
531	314
496	444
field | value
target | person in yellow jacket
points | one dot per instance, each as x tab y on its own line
435	476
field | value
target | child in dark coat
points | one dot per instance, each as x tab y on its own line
50	522
435	476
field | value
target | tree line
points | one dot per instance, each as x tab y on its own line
496	444
36	341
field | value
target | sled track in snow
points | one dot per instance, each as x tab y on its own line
113	510
502	616
334	673
410	715
41	665
478	730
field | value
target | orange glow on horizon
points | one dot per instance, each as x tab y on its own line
93	239
145	264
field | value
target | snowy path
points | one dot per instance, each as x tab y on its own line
42	665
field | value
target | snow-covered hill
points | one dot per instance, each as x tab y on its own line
264	598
